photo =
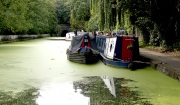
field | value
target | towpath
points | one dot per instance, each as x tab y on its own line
165	63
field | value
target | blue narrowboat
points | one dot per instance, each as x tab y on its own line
118	51
83	49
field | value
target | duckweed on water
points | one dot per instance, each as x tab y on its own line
27	97
96	88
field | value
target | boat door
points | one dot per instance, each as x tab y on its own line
106	46
127	42
110	48
86	42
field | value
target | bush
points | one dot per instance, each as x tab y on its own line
155	39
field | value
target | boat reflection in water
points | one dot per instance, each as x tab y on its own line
109	91
92	90
109	81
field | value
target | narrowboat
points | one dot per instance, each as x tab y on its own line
70	35
83	49
118	51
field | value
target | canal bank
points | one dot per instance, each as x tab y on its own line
13	38
165	63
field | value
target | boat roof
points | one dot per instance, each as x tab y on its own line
72	33
77	41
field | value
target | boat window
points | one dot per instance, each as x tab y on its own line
97	40
110	47
85	40
104	45
101	44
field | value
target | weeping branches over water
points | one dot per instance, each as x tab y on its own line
80	14
101	13
111	15
155	19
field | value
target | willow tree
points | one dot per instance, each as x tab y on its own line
158	18
122	15
112	14
107	14
94	20
101	12
139	12
80	14
102	15
154	18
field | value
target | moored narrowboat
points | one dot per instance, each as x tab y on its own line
83	49
118	51
70	35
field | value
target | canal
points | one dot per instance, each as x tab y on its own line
36	72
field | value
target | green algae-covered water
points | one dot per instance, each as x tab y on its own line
36	72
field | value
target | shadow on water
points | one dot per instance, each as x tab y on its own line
141	63
95	90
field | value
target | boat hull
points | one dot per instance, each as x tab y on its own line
110	62
118	51
83	57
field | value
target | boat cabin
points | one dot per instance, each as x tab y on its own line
124	48
83	41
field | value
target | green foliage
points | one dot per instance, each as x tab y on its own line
63	11
80	14
106	30
143	15
112	14
163	14
93	23
27	16
155	39
160	17
42	16
13	16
